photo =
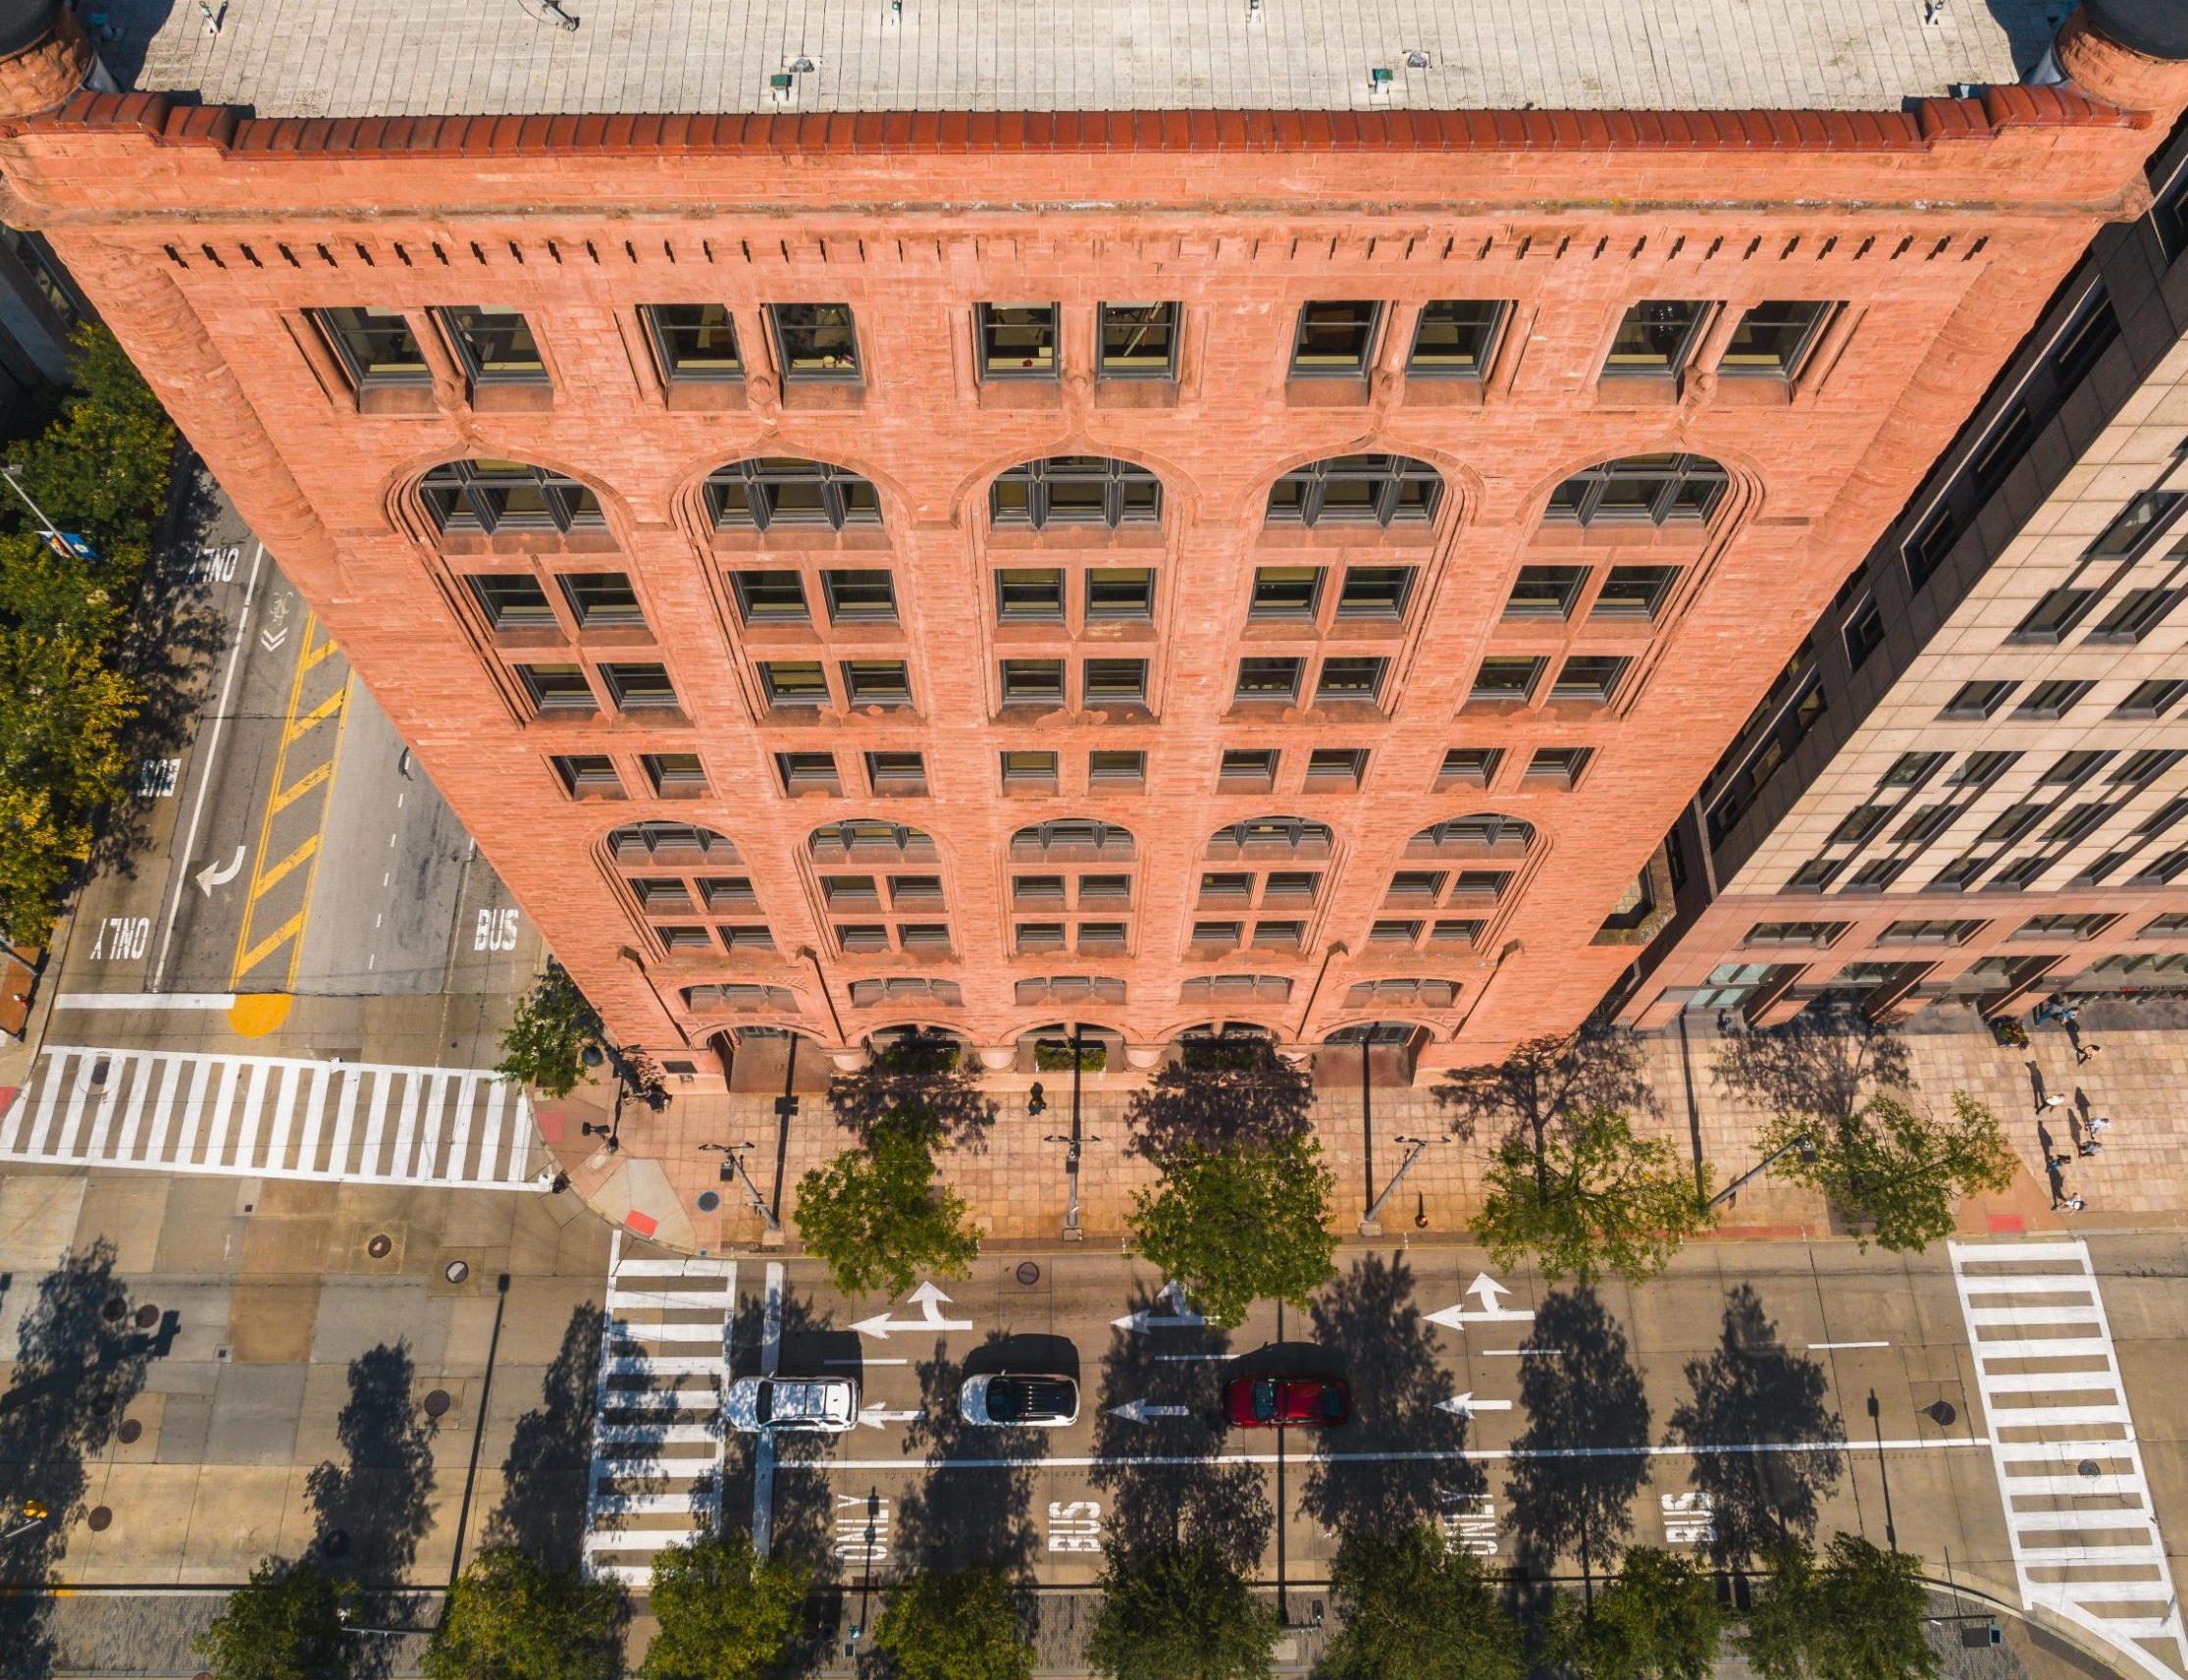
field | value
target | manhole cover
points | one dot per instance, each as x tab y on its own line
102	1519
147	1316
129	1432
1028	1273
456	1270
2090	1467
709	1201
1942	1413
334	1542
115	1310
437	1404
380	1247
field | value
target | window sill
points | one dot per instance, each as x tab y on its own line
1637	391
675	792
1135	393
706	396
1752	390
1446	393
1030	790
408	401
822	396
1019	393
1349	392
529	397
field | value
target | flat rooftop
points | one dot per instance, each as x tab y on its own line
414	58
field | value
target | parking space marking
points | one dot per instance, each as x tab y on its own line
1473	1454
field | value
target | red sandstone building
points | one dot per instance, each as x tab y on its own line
1256	528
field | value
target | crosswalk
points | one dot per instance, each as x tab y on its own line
274	1116
659	1432
2078	1512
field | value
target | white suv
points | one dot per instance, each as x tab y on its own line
823	1404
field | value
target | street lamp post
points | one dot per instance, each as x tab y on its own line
732	1171
1803	1147
13	473
1368	1224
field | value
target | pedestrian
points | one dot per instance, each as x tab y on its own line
2095	1123
2054	1100
2067	1204
2055	1162
2089	1146
2051	1009
2083	1052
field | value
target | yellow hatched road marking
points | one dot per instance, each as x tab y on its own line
289	795
266	883
318	715
312	655
267	946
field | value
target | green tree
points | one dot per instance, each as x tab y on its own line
1583	1195
1179	1614
1658	1620
963	1624
922	1084
1412	1608
286	1625
102	467
511	1617
877	1217
1894	1168
1859	1615
1236	1224
725	1612
546	1044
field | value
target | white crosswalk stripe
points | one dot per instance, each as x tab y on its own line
659	1432
273	1117
2078	1510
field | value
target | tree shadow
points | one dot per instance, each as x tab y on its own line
1751	1391
802	1502
544	1476
1387	1351
372	1511
1164	1488
925	1083
1599	1067
78	1363
1219	1092
955	1518
1583	1458
1815	1064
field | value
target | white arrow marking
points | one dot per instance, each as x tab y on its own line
1466	1405
219	876
880	1417
1180	1316
271	639
1486	1289
930	1301
1139	1411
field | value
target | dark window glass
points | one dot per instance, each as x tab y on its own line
1909	769
2054	614
1633	592
1470	766
1075	490
794	682
1374	592
1588	676
1978	699
2054	698
815	341
1286	592
512	602
1111	767
1113	682
1546	592
1017	340
1350	678
2140	610
896	772
1334	339
495	345
1660	489
1268	679
557	688
1139	341
589	775
675	773
1026	767
2070	767
2136	524
2088	337
492	495
377	345
1865	633
1508	678
639	687
1033	681
1254	766
876	682
1455	339
2152	698
1654	337
775	490
1339	765
867	597
694	341
770	597
1773	338
1559	765
1120	591
1357	489
805	771
601	600
1025	593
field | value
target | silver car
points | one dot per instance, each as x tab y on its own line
1012	1400
827	1406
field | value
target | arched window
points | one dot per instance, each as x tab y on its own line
1660	489
1076	490
1357	490
1483	832
771	490
1266	837
1078	892
877	895
690	888
505	496
1402	994
1254	896
1073	834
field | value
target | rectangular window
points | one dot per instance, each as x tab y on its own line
1546	592
685	938
2054	615
495	345
1444	931
1926	824
1290	886
676	775
2085	926
930	937
770	598
1813	875
2070	767
896	772
1455	339
1226	886
886	683
376	345
1860	823
794	682
1336	767
1286	592
1632	592
915	892
1393	931
1558	767
1978	699
1017	340
2143	767
808	772
589	775
658	897
1113	682
1120	591
2079	822
2140	611
1268	679
1223	935
1334	340
639	687
1247	769
1350	678
1774	338
2092	332
1097	939
1592	677
1980	768
2171	925
850	892
1030	593
863	597
1863	632
1139	341
2152	698
1467	766
557	688
694	341
1909	769
1506	678
1374	592
2052	699
1108	892
1029	770
511	601
1819	934
815	342
861	937
1654	337
601	600
2135	526
1277	935
1933	932
1032	682
2012	823
1108	768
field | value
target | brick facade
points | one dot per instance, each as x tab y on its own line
1934	237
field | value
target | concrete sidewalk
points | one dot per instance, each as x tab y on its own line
1014	1182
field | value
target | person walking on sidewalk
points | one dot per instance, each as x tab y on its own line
2097	1123
2083	1052
2067	1204
2089	1147
2053	1008
2053	1100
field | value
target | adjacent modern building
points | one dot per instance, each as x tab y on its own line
1163	520
1971	780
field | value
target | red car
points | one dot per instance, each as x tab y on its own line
1302	1402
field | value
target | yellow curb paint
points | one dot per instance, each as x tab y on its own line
256	1013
